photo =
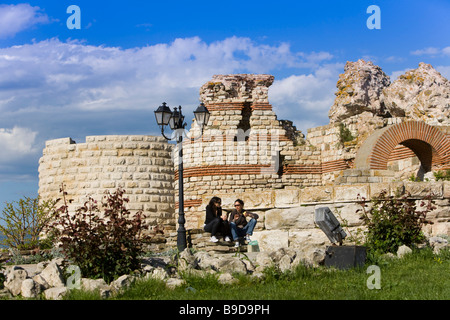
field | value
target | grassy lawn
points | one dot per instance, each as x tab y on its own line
418	276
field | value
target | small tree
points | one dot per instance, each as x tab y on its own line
393	221
22	222
104	244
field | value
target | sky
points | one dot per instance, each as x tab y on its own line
127	57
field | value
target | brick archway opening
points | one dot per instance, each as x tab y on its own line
428	143
413	158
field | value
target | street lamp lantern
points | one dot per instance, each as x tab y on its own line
164	116
176	121
202	115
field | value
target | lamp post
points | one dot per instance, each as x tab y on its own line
175	120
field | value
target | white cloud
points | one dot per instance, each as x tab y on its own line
16	143
71	89
75	76
432	51
16	18
307	98
446	51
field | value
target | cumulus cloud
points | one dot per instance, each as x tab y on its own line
16	18
72	89
306	98
432	51
16	143
75	76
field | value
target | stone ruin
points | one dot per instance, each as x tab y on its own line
381	133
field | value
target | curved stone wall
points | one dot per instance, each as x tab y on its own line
141	165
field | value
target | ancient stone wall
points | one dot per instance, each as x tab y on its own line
246	152
246	147
287	215
141	165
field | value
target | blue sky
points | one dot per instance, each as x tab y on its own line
129	56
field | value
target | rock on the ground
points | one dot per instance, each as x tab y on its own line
232	264
226	278
172	283
56	293
14	280
52	274
403	250
30	288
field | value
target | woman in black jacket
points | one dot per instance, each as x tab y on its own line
215	221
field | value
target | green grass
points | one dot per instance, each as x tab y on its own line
420	276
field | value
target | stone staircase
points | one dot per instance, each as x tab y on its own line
199	239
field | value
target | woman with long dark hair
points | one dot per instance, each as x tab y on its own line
216	221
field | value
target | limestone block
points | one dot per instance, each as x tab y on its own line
231	264
422	189
316	194
297	218
14	280
52	274
56	293
30	289
376	188
252	200
350	192
309	245
446	189
286	198
396	187
307	237
439	229
270	240
347	212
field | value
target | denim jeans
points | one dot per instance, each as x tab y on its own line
241	232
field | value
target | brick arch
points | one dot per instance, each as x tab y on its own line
429	144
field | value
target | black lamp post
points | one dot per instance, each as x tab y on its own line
165	116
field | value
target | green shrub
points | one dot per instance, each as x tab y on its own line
393	221
106	244
442	175
23	221
345	135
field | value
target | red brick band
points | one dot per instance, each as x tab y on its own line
190	203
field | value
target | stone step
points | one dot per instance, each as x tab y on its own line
199	239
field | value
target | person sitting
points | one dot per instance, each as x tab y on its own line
216	221
242	222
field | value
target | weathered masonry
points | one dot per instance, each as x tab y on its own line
246	149
380	135
142	165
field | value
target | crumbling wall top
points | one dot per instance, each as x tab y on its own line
237	88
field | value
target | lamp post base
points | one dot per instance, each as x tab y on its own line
181	240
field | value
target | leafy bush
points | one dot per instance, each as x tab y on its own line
106	244
442	175
22	222
393	221
345	135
